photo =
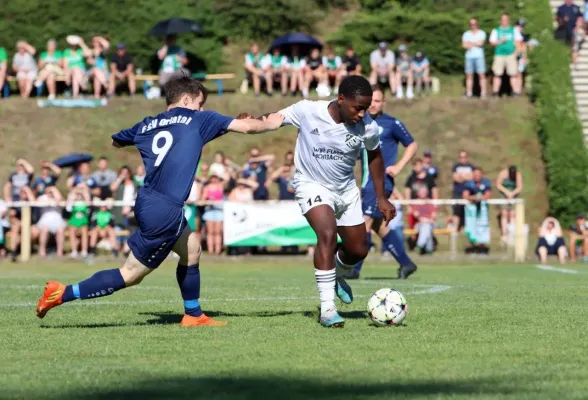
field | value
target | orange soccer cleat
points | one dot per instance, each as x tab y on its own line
51	297
202	320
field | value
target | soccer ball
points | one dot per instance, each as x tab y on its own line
387	307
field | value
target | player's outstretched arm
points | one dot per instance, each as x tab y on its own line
376	166
252	126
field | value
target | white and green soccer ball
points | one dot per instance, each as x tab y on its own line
387	307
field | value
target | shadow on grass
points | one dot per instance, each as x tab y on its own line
279	387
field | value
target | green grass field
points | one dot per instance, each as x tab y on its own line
483	331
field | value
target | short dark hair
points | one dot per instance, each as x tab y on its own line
176	88
355	86
103	158
377	88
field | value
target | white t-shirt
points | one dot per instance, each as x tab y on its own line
326	152
382	61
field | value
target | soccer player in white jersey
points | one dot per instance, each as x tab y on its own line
331	135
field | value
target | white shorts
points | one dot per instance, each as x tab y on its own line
26	75
345	204
52	221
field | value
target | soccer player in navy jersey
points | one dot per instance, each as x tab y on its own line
392	133
171	145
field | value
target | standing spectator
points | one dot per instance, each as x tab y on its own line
21	178
50	68
510	184
254	63
50	221
103	178
551	241
48	177
506	40
477	191
420	67
283	177
404	73
25	67
578	36
296	65
276	67
428	165
123	188
382	63
121	69
426	215
77	205
561	33
102	227
568	13
351	62
173	59
74	65
3	67
99	71
257	169
243	190
579	238
218	167
475	63
314	71
213	215
522	59
334	66
139	177
462	173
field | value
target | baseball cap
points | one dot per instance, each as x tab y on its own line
521	22
121	45
383	45
427	153
402	47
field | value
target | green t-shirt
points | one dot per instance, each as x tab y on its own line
254	60
79	215
51	58
3	56
277	61
170	63
102	218
75	59
139	180
508	47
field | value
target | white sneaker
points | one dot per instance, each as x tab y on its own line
51	97
74	254
399	94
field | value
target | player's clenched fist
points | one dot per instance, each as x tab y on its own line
387	209
275	120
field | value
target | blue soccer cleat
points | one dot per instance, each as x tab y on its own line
343	291
331	319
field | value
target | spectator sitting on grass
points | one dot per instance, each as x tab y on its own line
577	39
121	69
50	221
173	59
404	73
3	67
579	238
506	40
276	67
382	63
48	177
314	71
74	65
426	215
334	67
25	67
351	62
254	63
78	208
99	71
551	241
103	177
50	68
420	67
475	63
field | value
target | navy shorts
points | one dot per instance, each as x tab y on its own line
551	249
161	222
369	203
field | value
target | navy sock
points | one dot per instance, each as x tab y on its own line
102	283
357	267
393	243
189	282
369	240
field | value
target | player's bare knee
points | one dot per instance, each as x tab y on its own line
357	251
133	271
327	237
194	252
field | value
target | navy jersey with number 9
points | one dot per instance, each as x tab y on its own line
171	145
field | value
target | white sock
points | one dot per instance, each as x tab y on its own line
341	267
325	281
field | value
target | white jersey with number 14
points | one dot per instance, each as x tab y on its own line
326	152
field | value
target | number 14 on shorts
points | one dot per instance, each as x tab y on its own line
317	199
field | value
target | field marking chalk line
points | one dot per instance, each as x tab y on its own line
544	267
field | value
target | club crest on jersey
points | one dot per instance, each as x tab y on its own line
352	140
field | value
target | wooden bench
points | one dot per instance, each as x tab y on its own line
217	78
6	91
118	233
439	232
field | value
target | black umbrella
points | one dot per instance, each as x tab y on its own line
174	26
304	42
72	159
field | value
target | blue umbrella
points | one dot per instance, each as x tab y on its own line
304	41
72	159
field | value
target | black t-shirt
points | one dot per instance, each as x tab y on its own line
459	167
414	183
314	63
122	62
350	62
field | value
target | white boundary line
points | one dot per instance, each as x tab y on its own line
544	267
427	289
